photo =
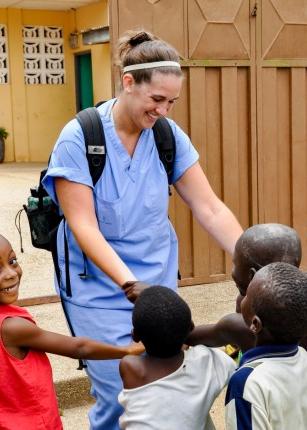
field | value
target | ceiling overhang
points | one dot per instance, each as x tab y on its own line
46	4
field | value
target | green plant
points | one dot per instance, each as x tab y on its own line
3	133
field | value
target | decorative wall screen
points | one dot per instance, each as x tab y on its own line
4	73
43	55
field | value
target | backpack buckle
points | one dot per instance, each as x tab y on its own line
96	150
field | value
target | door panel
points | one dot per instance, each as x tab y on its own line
244	106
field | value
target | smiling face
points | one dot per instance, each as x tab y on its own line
10	273
149	101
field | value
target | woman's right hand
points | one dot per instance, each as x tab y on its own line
133	289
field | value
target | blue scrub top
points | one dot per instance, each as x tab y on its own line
131	199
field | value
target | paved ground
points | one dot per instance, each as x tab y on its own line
208	302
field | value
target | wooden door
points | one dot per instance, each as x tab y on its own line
213	39
282	114
214	109
244	106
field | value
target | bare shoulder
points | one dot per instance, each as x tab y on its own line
12	333
131	370
14	327
131	364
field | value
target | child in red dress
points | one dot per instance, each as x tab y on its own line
27	395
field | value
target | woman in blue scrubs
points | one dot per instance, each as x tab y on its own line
122	223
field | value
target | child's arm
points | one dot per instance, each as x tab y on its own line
19	332
229	329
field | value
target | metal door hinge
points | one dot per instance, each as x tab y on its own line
254	11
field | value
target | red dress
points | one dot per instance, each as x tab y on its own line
27	395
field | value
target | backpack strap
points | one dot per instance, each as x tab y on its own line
95	143
166	145
95	146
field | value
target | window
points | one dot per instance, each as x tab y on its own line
43	55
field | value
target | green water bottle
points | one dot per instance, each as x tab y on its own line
47	201
32	203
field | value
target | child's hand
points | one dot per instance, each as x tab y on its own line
135	348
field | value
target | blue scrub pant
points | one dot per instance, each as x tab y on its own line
110	326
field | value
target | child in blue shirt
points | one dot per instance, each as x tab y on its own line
268	391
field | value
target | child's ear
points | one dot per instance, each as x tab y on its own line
256	325
192	325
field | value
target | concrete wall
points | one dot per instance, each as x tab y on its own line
34	114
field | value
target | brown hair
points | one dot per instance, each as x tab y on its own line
136	47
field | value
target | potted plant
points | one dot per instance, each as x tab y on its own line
3	135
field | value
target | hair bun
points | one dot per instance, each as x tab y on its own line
140	38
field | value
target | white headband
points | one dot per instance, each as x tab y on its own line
151	65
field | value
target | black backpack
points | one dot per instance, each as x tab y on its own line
42	213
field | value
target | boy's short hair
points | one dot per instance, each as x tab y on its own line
282	303
263	244
161	320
